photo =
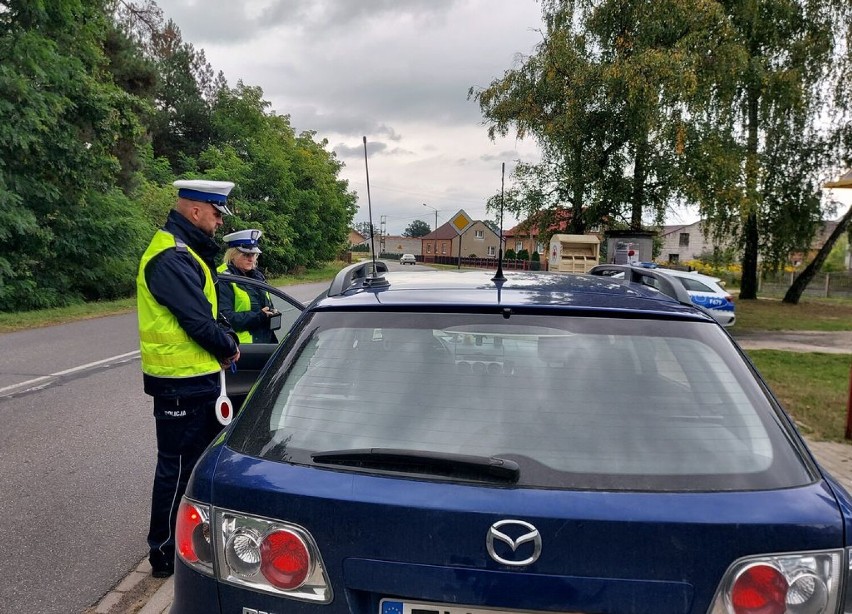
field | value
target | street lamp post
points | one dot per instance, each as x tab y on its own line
436	215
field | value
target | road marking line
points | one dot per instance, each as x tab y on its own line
69	371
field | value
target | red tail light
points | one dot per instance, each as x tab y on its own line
272	556
760	589
792	583
192	534
284	560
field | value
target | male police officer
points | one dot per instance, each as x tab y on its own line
183	344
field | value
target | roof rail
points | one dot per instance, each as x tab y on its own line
361	273
658	280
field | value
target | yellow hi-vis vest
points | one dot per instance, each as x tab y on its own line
242	302
166	350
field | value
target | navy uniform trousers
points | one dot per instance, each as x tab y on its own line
185	426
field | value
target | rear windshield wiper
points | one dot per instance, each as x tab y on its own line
461	466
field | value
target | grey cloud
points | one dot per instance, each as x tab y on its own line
374	148
385	99
404	66
399	151
322	16
500	157
345	124
352	151
228	21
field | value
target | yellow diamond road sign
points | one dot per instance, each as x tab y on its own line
461	221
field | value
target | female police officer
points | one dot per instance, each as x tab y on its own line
248	308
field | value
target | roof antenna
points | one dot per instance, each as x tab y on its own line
376	277
498	276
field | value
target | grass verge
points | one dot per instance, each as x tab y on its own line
10	322
325	273
812	387
810	314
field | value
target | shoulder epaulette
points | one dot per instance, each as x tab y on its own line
180	246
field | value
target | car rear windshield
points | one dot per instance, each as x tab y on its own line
576	402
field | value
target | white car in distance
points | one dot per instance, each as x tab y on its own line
707	292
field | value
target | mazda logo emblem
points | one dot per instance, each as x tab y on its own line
522	539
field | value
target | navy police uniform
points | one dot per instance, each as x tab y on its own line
183	342
242	304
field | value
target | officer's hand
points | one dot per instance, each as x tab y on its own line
228	361
268	312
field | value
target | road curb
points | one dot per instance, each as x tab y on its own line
137	593
161	601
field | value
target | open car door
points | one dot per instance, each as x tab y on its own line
254	356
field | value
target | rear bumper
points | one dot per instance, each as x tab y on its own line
194	593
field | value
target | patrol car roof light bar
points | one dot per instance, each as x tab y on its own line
635	274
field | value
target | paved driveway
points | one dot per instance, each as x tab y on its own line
832	342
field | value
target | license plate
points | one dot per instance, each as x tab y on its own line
394	606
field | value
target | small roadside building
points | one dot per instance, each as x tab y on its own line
477	241
397	244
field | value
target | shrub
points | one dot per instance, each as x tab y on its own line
510	254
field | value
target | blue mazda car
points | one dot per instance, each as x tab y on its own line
447	442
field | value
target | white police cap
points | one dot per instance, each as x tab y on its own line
244	240
202	190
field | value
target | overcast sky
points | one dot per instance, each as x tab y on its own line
395	71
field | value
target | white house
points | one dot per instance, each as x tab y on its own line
683	242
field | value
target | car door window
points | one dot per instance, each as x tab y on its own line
255	291
694	286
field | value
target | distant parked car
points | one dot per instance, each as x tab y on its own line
707	292
407	259
703	290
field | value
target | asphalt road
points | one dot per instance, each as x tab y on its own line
77	452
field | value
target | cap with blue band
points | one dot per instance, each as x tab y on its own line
202	190
245	241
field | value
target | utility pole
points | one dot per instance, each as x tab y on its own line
382	233
436	215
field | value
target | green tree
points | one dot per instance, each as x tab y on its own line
604	95
180	124
758	153
365	228
417	228
286	185
181	128
554	98
65	231
137	76
836	260
797	288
